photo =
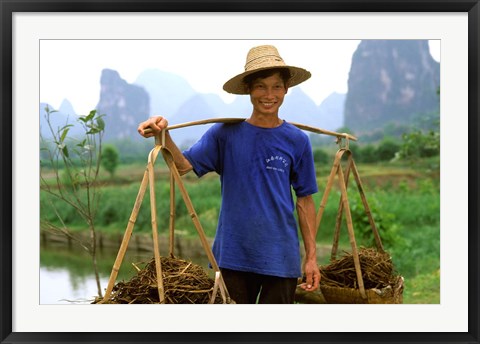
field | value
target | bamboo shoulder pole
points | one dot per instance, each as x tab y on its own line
238	120
323	131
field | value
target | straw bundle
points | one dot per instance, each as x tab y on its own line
183	282
377	270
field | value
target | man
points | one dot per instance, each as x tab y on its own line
259	161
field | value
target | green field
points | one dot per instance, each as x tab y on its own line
405	204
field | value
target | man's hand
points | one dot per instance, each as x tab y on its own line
312	274
157	124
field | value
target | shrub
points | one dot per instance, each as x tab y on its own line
320	156
387	149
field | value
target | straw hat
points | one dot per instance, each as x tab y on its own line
260	58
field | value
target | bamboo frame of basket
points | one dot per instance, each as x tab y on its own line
172	216
148	178
153	212
344	206
128	231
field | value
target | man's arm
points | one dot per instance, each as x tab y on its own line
157	124
306	219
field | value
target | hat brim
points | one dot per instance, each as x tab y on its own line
236	85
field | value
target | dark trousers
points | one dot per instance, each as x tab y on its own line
248	287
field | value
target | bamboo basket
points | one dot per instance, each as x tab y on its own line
390	294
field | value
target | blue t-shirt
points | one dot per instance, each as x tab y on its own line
258	167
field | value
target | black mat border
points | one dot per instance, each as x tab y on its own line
8	8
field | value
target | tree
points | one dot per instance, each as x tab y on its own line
365	153
69	173
424	140
419	144
110	159
320	156
387	149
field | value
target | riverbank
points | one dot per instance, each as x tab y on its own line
139	242
183	246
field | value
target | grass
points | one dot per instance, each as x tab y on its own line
423	288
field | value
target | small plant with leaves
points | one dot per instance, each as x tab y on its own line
69	173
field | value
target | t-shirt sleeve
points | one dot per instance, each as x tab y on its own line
204	154
304	180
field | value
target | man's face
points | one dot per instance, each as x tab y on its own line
267	95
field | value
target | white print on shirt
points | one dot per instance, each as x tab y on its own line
276	159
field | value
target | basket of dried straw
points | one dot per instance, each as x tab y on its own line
184	283
382	284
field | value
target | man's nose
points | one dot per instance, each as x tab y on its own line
269	92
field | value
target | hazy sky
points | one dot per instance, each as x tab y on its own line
71	69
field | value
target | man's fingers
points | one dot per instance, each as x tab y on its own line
309	281
159	123
156	124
